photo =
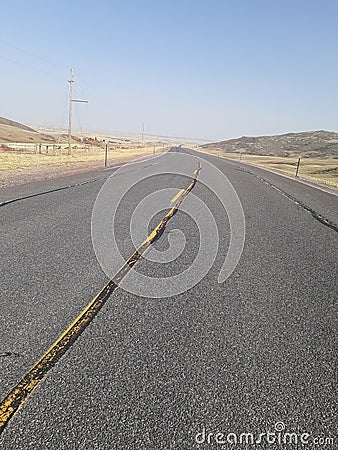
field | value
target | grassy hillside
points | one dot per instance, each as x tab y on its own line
12	123
313	144
11	131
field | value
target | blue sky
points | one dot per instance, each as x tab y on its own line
205	69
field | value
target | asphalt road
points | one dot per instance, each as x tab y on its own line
153	373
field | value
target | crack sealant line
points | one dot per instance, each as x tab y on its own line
7	202
333	226
31	380
314	214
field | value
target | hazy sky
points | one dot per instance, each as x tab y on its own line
211	69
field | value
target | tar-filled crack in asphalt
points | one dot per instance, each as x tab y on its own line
310	210
37	373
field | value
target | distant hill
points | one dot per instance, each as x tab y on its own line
11	131
315	144
12	123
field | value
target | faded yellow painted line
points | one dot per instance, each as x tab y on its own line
173	200
18	396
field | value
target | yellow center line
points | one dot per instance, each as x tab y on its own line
173	200
20	393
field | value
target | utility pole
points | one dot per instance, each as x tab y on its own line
71	101
70	81
142	133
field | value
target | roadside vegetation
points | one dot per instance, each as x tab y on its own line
23	163
320	170
20	157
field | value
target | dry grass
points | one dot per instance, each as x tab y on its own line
18	166
14	134
316	169
11	159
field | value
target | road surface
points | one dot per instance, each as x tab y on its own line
253	354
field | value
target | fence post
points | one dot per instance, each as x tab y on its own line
106	156
297	170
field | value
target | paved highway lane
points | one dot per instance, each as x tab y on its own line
235	357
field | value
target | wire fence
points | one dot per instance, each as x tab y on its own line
52	149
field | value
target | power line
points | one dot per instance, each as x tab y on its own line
28	66
29	53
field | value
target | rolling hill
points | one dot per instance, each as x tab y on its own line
11	131
314	144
